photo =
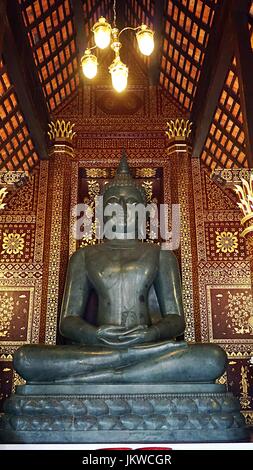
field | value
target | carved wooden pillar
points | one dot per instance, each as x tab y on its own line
179	153
61	154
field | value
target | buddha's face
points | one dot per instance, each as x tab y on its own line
120	216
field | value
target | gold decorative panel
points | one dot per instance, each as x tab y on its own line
224	283
230	313
16	311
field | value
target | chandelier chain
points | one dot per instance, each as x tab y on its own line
114	13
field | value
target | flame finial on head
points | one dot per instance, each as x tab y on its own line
123	177
123	167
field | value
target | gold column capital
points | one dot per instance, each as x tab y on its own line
61	135
61	129
178	133
179	129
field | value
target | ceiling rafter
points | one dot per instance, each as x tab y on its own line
215	68
26	61
18	59
3	21
49	27
16	145
85	15
225	143
136	13
43	14
93	9
244	58
186	37
79	22
139	11
202	47
159	28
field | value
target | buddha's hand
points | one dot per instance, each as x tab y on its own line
119	335
110	331
144	334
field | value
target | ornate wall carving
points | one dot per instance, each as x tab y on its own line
224	273
22	226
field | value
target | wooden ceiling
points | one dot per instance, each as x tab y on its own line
203	60
17	147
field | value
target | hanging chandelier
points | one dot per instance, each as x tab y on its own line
104	35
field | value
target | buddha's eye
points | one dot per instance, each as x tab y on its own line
112	201
132	202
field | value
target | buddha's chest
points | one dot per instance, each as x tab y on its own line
123	269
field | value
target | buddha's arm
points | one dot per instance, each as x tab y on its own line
168	290
76	293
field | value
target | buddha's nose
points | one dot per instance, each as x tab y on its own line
122	202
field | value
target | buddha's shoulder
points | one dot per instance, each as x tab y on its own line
168	257
151	247
80	254
163	254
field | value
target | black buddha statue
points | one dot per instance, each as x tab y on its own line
124	377
124	346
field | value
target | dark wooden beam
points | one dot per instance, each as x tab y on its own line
79	22
32	119
23	74
24	88
120	15
159	28
215	67
244	62
212	76
2	24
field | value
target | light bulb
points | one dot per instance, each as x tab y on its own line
89	64
119	73
102	33
145	39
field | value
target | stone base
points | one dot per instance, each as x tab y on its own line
122	414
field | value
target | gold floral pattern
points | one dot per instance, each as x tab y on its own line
90	236
146	172
96	172
13	243
244	387
93	189
6	313
148	186
226	242
16	381
223	380
239	312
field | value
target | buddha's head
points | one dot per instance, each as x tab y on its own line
121	196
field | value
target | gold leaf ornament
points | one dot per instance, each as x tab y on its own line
226	242
13	243
3	194
6	313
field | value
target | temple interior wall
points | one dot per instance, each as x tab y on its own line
36	236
